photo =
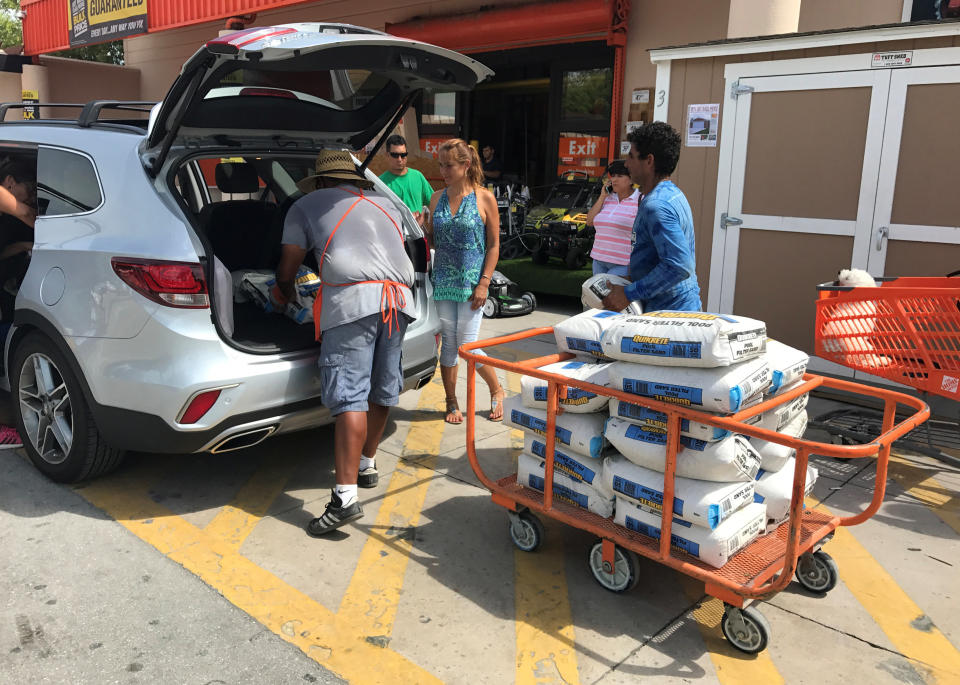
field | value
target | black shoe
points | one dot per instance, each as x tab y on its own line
368	477
335	516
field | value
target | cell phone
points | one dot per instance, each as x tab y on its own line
609	189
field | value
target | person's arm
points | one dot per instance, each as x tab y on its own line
428	221
676	261
293	248
12	206
492	173
16	248
597	206
487	204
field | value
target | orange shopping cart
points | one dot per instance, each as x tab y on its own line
759	570
905	330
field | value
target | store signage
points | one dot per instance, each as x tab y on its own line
624	147
30	96
884	60
432	146
640	96
582	153
99	21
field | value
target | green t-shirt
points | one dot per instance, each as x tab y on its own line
412	188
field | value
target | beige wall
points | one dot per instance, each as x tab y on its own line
71	80
10	87
821	15
762	17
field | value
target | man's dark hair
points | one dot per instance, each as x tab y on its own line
20	171
395	139
662	141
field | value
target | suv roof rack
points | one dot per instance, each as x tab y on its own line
89	112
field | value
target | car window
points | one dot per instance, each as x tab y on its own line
67	183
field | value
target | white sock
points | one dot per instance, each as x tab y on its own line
346	493
367	462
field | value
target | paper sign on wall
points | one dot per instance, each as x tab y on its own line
703	124
624	147
882	60
640	96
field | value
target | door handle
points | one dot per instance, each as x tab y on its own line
882	232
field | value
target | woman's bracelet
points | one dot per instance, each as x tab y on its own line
485	276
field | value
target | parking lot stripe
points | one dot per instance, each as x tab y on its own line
926	489
731	667
909	628
236	521
546	649
289	613
370	602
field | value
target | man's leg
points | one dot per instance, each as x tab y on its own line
350	434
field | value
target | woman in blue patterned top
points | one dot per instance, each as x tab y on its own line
464	228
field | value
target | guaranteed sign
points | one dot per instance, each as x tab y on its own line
99	21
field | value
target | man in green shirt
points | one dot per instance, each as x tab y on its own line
409	184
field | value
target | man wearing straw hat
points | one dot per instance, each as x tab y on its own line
361	314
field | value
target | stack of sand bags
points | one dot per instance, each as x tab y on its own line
579	436
709	362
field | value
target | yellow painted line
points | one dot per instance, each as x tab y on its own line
236	521
926	489
899	617
371	600
289	613
546	651
732	667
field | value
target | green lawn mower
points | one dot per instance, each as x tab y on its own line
561	221
504	298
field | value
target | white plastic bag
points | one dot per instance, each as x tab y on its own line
725	389
700	502
776	419
534	391
725	461
787	365
581	334
581	433
712	547
595	288
697	339
531	473
642	416
775	488
773	455
576	466
258	287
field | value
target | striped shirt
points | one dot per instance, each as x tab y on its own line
614	224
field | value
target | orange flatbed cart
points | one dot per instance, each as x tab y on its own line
758	571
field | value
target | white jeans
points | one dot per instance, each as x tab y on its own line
459	324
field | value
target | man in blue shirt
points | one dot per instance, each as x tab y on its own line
663	258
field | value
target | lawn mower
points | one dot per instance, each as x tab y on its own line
562	221
504	298
512	203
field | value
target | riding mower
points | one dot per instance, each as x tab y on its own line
504	298
562	220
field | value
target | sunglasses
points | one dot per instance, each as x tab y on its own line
399	155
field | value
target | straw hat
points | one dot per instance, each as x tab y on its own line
334	164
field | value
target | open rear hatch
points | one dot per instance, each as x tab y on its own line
296	87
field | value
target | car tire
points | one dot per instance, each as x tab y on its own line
53	419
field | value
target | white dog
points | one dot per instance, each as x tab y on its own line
848	333
855	277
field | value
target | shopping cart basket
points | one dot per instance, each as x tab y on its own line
756	572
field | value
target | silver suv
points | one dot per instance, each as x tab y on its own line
128	333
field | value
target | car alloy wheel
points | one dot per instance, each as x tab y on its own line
45	408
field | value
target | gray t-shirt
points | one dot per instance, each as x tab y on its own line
366	247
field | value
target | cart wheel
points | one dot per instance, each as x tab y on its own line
526	531
623	576
491	308
817	572
746	629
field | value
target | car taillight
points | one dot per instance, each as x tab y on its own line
199	406
174	284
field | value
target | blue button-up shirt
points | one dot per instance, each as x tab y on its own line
663	258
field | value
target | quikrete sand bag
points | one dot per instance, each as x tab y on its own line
534	391
701	502
531	474
724	461
787	365
581	433
595	288
712	547
725	389
576	466
651	418
773	455
696	339
581	334
775	488
776	419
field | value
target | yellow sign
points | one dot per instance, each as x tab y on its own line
97	21
30	96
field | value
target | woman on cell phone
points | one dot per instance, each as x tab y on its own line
464	228
612	215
